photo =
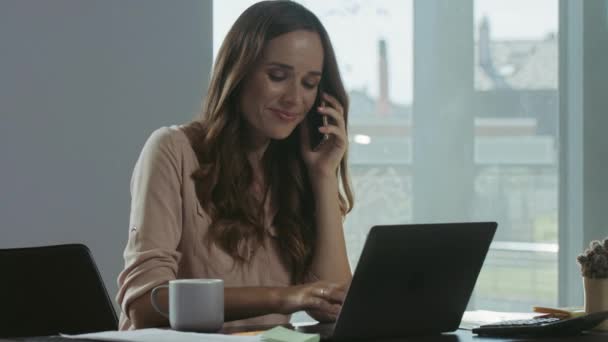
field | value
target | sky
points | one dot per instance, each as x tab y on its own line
355	26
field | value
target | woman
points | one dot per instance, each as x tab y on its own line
238	194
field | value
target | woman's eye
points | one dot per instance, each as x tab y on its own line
310	85
276	76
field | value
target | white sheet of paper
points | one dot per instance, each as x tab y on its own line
161	335
473	319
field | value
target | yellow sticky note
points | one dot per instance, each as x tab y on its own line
248	333
280	334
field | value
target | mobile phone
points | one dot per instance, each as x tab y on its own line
316	120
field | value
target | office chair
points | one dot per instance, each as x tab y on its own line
50	290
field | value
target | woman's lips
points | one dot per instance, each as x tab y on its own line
284	115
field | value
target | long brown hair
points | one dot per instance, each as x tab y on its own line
218	138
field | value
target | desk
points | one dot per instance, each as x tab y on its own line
457	336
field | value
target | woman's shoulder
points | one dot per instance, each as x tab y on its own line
168	136
168	139
168	144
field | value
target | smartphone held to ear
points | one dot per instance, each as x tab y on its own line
316	120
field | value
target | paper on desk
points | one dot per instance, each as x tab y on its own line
280	334
473	319
161	335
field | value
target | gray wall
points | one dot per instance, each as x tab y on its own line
82	85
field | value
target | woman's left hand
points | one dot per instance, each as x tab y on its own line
325	161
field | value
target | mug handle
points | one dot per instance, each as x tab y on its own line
153	300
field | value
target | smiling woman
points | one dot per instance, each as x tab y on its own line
238	194
282	88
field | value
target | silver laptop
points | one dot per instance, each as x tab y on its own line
411	280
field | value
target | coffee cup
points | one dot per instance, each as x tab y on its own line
194	304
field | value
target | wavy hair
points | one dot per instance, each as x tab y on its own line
218	137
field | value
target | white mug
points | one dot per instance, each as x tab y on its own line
194	304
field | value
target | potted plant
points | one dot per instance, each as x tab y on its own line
594	268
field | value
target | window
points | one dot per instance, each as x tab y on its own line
515	149
454	117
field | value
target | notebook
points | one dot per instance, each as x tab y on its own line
411	280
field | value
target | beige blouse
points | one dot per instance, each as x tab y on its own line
166	230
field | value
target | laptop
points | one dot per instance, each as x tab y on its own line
411	280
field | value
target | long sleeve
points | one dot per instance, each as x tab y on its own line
155	228
168	227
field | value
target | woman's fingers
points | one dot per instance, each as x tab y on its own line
333	102
333	293
338	133
324	306
323	300
331	309
337	116
334	110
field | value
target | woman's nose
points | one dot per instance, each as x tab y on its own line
292	94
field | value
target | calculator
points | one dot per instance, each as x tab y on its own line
543	326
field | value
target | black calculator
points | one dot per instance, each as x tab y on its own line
543	326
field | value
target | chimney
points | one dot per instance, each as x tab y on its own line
486	61
383	105
485	56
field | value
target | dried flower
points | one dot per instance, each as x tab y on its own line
582	259
594	260
596	247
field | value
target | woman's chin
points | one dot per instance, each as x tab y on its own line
280	134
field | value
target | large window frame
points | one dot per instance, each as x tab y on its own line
583	42
445	106
571	151
583	190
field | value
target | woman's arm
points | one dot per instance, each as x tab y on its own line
330	261
155	224
246	302
143	315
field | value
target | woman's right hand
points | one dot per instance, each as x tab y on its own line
322	300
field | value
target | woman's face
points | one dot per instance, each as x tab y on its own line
282	88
